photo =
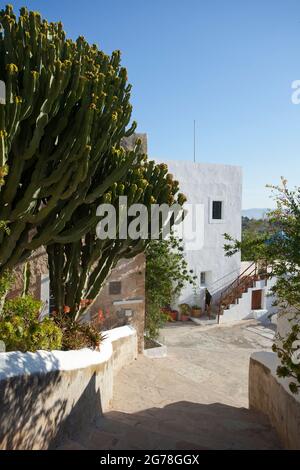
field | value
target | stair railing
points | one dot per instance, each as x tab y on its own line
235	290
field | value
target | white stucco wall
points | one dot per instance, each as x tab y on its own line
49	396
202	183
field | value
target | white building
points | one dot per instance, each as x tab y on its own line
218	188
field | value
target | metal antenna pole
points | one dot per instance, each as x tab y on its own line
194	141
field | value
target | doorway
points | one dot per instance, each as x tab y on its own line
256	303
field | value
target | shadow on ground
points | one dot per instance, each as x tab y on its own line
179	426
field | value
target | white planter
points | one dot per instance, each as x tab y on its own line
160	351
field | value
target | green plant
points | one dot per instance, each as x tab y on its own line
6	281
26	279
287	352
21	330
184	309
280	250
166	275
79	269
76	335
67	109
196	307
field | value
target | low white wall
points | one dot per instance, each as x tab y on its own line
46	397
271	395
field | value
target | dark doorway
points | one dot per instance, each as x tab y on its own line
256	299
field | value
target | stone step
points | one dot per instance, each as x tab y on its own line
121	436
210	430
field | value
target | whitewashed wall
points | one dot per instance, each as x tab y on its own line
202	183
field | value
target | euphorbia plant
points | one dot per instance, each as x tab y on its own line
67	106
79	269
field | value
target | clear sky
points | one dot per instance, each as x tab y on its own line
227	64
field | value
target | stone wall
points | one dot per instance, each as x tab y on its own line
271	396
128	305
49	397
38	266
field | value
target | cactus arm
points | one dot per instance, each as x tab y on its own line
26	279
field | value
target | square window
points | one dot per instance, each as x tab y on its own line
217	207
114	288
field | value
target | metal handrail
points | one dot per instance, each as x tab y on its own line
242	281
238	278
212	286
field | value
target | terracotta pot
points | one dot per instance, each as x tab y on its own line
173	314
196	312
184	317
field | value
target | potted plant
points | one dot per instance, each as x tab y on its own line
185	312
196	311
173	315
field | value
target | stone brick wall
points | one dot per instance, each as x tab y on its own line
127	306
38	266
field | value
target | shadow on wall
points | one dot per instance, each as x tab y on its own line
23	419
32	414
182	425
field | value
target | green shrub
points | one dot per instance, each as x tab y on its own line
6	280
21	330
185	309
27	307
166	274
76	335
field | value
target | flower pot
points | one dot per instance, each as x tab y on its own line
184	317
196	312
173	315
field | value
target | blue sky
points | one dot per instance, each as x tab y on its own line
227	64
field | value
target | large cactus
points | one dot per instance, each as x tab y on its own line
67	106
79	269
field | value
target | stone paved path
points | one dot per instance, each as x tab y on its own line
196	398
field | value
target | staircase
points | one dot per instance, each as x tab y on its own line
179	426
237	291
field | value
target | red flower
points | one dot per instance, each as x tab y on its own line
67	309
100	315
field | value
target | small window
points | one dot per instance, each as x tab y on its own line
115	287
217	210
203	278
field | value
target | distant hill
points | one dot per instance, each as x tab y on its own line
255	213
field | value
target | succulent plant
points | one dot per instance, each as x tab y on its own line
67	107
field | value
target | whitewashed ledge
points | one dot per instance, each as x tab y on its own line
46	397
271	395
